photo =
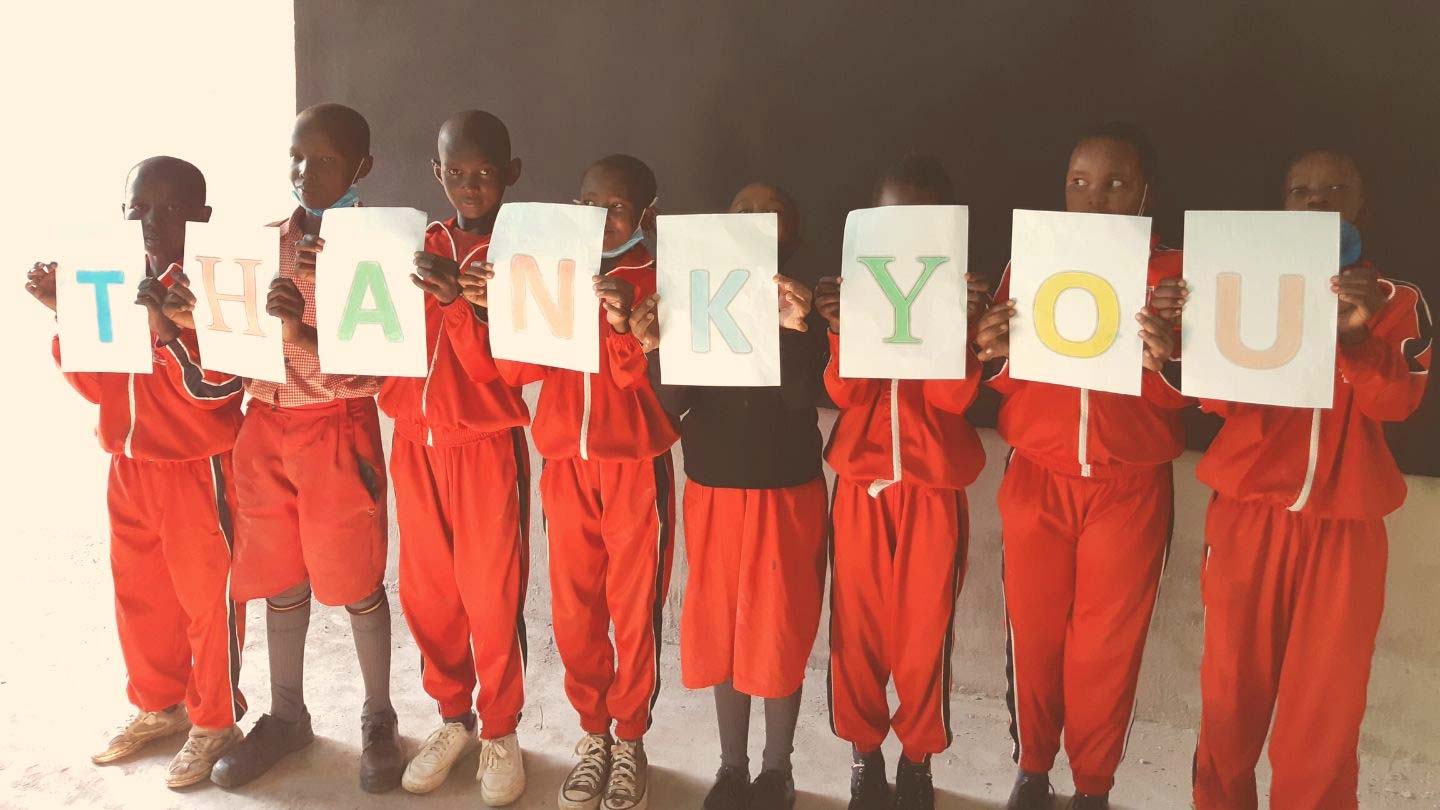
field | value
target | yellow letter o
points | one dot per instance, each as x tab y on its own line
1107	314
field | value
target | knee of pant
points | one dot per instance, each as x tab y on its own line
368	604
290	599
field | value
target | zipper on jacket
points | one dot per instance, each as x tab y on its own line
130	434
1311	461
1083	442
585	422
876	487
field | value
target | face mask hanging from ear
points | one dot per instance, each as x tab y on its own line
349	199
1350	244
635	238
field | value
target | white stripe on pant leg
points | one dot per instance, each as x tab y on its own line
659	466
231	642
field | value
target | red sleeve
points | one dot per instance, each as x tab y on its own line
955	396
1389	369
628	366
1159	388
1219	407
517	373
846	392
86	382
180	361
470	340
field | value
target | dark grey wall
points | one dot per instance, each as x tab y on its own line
821	95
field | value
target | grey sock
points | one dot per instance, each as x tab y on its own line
370	623
781	715
732	709
287	617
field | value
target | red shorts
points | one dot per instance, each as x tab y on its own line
757	578
311	489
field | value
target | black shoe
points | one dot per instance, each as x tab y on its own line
1090	801
773	790
269	741
382	763
914	787
731	790
1032	792
868	788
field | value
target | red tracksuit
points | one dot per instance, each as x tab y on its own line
171	498
1294	574
903	454
1086	507
608	489
461	471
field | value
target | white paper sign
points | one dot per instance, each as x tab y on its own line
1078	280
903	300
369	316
719	305
543	307
101	327
230	268
1261	321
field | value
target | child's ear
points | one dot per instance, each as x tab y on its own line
647	219
203	215
513	173
363	170
435	170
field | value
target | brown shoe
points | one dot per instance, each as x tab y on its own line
193	763
146	728
382	763
270	741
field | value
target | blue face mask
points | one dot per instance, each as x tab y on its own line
1350	245
619	250
349	199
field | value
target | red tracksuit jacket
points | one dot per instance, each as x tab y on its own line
462	396
612	415
1076	431
925	441
1332	463
179	412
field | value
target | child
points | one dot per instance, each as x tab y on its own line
902	454
460	464
171	495
754	534
608	489
1086	507
311	480
1295	544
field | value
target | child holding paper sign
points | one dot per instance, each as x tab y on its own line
1086	507
311	480
171	497
1295	544
460	464
754	533
608	488
903	454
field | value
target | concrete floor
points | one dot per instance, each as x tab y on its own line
62	691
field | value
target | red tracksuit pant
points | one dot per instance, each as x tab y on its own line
170	547
1292	606
464	515
898	561
1082	565
611	531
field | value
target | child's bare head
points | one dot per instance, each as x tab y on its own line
1110	172
1325	180
475	165
915	180
164	193
329	152
766	198
625	187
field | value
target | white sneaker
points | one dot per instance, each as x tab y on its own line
145	728
629	777
585	783
194	761
502	771
441	750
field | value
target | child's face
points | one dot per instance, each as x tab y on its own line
609	189
319	169
163	206
474	181
758	198
892	193
1104	178
1323	181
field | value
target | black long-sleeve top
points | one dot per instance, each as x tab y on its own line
753	437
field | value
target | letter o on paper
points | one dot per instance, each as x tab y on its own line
1107	314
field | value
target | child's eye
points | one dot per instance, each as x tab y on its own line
1079	182
1117	183
453	172
1337	187
486	172
1296	191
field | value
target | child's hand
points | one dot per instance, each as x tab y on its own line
40	282
179	304
286	303
1360	298
437	275
151	294
977	297
645	324
827	301
306	250
1169	297
475	282
794	303
615	296
992	334
1158	334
